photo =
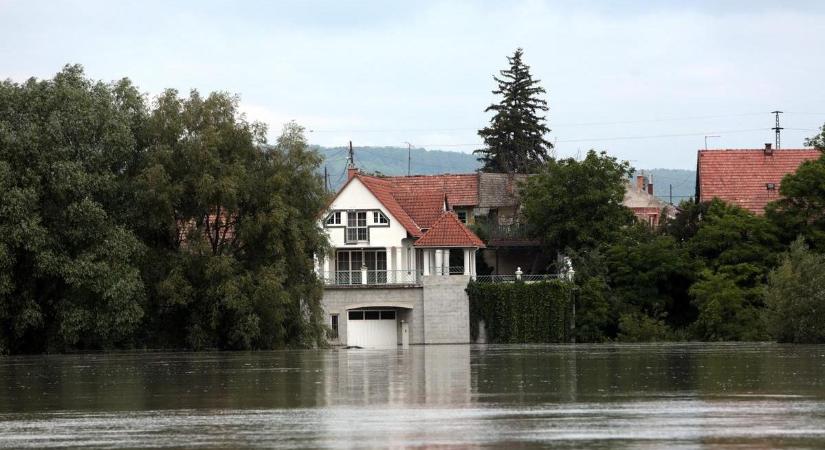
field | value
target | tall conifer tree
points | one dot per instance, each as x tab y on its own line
514	140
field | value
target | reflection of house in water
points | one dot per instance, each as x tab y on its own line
434	374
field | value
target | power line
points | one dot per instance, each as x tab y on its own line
565	124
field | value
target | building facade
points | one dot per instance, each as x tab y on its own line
400	260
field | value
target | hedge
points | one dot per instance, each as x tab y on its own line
521	312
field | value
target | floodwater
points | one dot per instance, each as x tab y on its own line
573	396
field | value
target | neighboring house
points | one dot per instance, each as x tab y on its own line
509	247
645	206
401	259
749	178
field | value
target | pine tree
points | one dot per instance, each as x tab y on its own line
514	140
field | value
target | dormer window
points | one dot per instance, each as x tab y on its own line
379	218
334	218
770	186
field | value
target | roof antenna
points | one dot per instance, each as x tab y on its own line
350	158
777	128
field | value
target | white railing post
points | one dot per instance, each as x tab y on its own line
363	274
518	273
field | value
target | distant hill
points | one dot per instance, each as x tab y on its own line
393	161
682	181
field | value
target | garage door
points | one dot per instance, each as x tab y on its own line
372	329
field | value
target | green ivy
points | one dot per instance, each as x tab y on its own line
521	312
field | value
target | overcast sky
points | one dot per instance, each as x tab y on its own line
644	81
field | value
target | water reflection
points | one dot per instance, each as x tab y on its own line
604	396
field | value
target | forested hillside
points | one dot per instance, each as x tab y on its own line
393	161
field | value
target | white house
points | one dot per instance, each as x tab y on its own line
401	259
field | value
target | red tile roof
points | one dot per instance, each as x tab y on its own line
740	176
461	189
424	207
418	204
381	188
448	231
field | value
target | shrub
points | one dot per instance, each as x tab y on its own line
795	297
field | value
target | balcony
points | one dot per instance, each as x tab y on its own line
515	234
357	278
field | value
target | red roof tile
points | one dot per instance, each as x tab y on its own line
417	202
382	190
461	189
424	207
448	231
740	176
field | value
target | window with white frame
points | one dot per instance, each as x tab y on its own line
357	230
334	218
379	218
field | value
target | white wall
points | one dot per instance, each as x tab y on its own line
356	196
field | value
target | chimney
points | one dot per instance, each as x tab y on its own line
650	186
351	171
640	183
768	149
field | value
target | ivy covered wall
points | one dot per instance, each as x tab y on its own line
521	312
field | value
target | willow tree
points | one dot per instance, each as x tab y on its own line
514	141
68	264
231	227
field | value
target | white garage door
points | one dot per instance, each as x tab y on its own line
372	329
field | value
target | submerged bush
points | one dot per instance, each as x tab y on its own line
795	297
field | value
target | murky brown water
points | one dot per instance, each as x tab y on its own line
597	396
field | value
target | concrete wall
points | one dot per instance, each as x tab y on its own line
438	312
407	301
446	309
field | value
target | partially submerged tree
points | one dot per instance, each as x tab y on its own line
514	141
232	228
68	265
795	297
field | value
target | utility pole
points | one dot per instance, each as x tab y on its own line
670	187
326	179
409	156
777	128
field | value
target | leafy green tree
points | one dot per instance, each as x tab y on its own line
735	249
514	141
650	274
69	265
817	141
577	205
801	209
726	313
232	229
795	296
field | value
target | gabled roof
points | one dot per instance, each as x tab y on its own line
461	189
741	176
448	231
382	190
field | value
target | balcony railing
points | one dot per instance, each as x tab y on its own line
371	277
513	278
515	232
